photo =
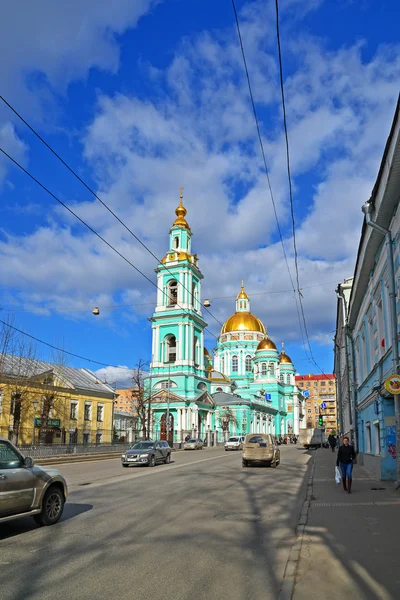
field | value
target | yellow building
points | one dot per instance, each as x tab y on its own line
47	403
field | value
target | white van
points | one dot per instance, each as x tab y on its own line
235	443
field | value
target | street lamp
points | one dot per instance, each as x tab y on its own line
96	311
35	405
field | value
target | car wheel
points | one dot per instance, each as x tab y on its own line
245	463
125	466
168	459
153	461
52	507
273	464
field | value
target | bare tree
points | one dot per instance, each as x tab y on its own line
140	397
226	418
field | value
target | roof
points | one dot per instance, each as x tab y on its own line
310	377
384	198
225	399
80	379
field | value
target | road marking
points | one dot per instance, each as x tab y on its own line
154	471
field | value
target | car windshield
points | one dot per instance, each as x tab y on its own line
233	439
143	446
191	441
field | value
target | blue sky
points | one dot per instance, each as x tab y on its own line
140	98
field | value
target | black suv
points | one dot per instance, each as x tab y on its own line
147	453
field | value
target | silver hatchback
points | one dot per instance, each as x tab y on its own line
28	490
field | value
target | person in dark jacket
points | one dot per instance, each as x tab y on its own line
332	442
345	457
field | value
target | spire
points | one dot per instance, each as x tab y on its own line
180	212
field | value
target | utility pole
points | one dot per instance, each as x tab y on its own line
168	400
149	406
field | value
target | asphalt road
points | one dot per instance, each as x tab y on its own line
200	528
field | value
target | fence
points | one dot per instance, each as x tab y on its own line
45	450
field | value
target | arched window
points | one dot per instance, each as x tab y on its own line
194	296
219	389
271	369
288	379
248	364
235	364
176	242
264	369
172	292
281	378
171	349
223	364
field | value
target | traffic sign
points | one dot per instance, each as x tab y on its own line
268	396
319	401
323	405
305	393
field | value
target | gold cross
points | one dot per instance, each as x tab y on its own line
181	191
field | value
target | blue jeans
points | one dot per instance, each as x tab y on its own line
346	470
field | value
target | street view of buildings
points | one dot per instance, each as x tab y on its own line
199	300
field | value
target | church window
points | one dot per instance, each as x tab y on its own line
235	364
195	350
172	292
271	369
219	389
165	385
288	379
248	364
176	242
281	378
194	303
223	364
264	369
171	348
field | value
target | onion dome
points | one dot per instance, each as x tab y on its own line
283	357
243	321
180	212
266	344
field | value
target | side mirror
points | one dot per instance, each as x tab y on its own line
28	462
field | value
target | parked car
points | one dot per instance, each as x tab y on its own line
234	443
193	444
147	453
29	490
261	448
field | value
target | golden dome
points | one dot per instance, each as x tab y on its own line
242	294
206	352
180	212
266	344
283	357
243	321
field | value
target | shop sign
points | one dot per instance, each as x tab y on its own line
50	422
392	383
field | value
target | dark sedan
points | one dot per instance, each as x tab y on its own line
147	453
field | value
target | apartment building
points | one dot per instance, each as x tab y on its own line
319	389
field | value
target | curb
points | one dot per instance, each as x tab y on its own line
289	576
72	459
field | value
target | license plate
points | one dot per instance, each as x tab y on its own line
132	459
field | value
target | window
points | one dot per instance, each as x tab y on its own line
264	369
368	437
323	383
300	384
86	438
172	292
9	459
288	380
73	413
235	364
165	385
15	406
223	364
377	438
194	296
100	412
171	348
271	369
88	411
219	389
176	243
196	350
99	437
73	437
308	384
248	364
281	378
309	411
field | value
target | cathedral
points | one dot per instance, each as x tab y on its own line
245	386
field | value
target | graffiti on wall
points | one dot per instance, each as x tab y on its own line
391	441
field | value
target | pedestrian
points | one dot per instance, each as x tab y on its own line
345	458
332	442
187	438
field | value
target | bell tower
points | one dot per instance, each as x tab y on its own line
177	323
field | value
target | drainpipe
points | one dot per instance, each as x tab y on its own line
339	392
367	209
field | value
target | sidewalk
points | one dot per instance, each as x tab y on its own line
350	546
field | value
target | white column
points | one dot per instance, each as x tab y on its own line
157	345
202	350
179	342
159	291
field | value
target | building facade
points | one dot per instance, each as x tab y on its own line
125	401
370	326
320	391
247	386
45	403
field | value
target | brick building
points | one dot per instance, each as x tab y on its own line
126	401
323	388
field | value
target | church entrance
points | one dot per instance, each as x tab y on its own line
167	428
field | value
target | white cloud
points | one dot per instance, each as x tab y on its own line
200	133
118	377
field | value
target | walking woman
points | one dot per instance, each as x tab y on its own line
345	457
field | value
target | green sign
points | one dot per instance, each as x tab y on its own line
50	422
